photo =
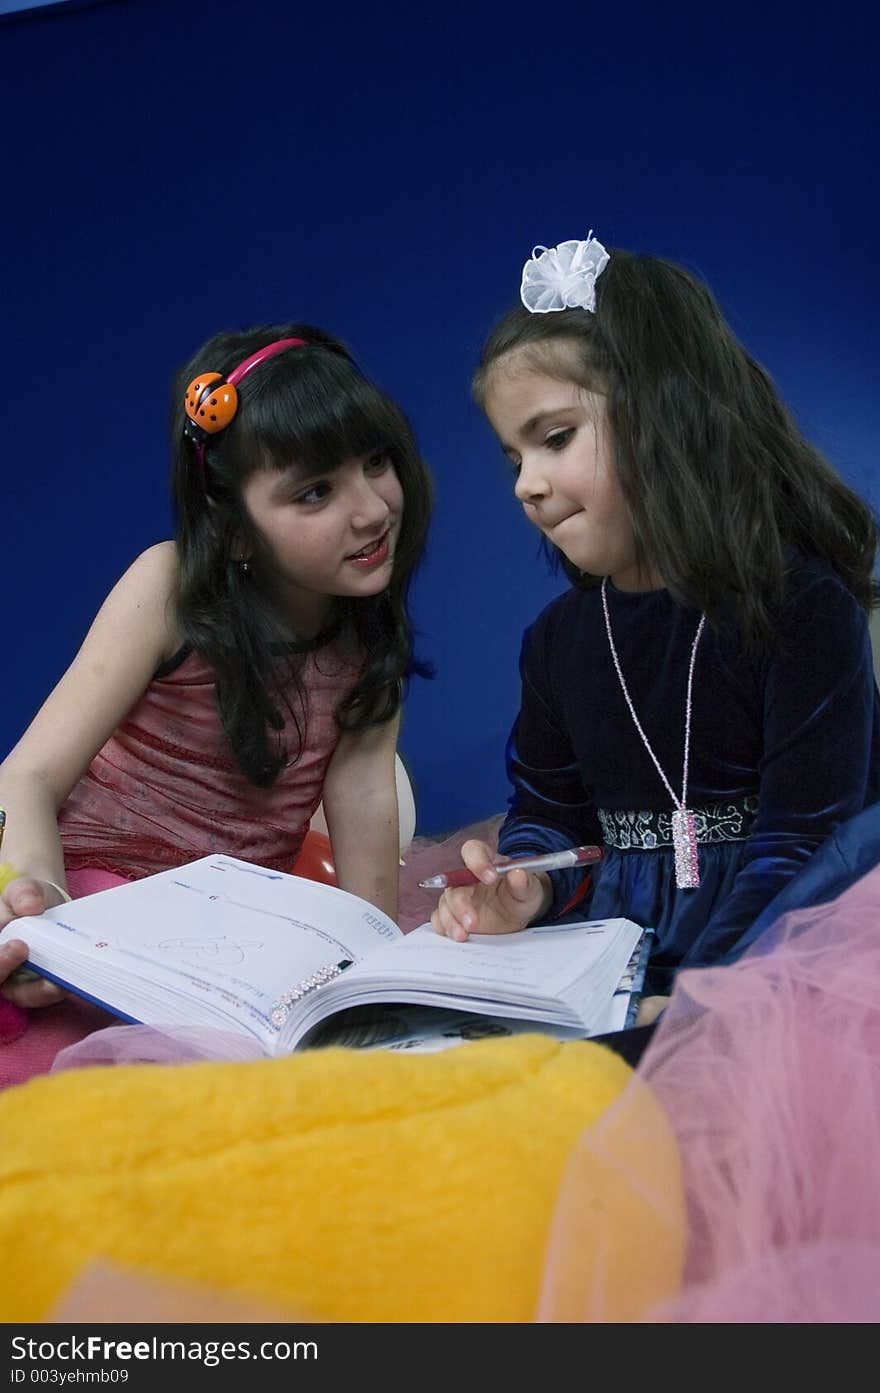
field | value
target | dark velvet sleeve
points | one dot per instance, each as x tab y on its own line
550	810
819	714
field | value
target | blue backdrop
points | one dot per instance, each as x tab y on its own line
384	171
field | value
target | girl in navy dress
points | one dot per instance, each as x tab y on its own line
701	700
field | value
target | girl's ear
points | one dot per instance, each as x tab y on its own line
239	548
241	553
228	534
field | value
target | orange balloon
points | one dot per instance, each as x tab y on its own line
315	860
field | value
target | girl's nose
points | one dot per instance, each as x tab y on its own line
370	508
532	483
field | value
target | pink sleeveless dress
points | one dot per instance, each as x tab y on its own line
165	789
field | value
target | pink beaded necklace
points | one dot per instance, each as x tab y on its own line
684	834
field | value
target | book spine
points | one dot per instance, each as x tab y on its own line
284	1005
638	984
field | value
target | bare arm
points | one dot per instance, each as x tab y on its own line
360	804
132	633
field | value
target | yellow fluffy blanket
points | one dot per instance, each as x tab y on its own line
356	1186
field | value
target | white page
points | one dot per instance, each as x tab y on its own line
550	974
534	964
614	1016
222	932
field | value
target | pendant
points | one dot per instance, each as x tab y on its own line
684	841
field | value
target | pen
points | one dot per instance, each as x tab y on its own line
552	861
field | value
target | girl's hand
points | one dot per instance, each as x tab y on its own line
650	1008
500	904
24	896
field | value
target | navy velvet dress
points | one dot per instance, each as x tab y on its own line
784	747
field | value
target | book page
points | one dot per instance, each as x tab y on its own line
421	1029
219	939
427	1029
536	963
561	975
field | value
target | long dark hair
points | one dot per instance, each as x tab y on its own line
719	481
308	405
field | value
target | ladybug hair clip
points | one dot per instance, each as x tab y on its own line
210	403
211	400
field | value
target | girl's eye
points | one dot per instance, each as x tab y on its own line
316	494
377	463
559	439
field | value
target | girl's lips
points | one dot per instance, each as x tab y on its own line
375	554
568	517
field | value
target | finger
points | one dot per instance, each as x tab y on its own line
650	1008
519	885
25	896
514	906
31	993
12	954
522	897
478	858
440	920
448	928
456	914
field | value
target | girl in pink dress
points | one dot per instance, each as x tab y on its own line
249	669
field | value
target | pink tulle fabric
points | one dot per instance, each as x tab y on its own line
769	1072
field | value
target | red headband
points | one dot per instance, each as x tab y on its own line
211	401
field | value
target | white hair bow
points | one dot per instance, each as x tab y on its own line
563	277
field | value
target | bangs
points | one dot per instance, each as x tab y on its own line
319	417
564	346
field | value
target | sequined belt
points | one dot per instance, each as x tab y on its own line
649	831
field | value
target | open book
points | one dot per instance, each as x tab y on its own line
224	944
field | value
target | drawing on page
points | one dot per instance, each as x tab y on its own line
205	951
